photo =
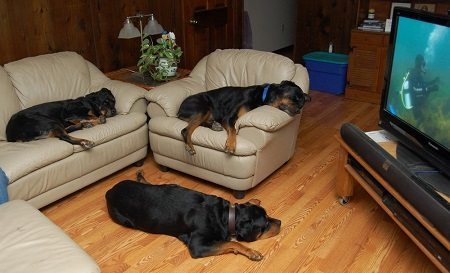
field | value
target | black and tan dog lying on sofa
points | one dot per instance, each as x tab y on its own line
58	118
205	223
220	108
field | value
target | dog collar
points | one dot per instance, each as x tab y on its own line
232	220
266	90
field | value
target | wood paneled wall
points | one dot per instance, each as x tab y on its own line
89	27
320	22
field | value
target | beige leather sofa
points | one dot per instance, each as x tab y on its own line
266	136
45	170
30	242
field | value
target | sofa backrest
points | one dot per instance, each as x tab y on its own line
50	77
245	67
9	103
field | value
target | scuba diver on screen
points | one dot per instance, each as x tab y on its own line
415	89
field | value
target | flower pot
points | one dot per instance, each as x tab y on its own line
170	67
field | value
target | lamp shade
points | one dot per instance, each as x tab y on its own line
152	27
128	30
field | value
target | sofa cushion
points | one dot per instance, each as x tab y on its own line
9	103
30	242
245	67
18	159
113	128
51	77
202	136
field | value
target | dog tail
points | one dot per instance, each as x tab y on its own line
140	177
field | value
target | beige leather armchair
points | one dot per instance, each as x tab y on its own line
266	136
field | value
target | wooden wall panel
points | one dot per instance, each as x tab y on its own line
30	28
320	22
89	27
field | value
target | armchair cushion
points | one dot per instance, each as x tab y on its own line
230	67
266	118
205	137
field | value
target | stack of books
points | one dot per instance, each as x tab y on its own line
372	25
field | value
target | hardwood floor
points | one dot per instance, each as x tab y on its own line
317	235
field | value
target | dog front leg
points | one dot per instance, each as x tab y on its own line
230	145
62	134
187	132
224	248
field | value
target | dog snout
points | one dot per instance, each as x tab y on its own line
108	112
276	222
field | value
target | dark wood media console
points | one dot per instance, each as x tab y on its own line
352	168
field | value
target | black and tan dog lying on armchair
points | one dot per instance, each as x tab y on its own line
220	108
205	223
58	118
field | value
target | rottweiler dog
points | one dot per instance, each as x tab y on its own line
219	109
58	118
204	223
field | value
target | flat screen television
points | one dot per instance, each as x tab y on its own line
415	104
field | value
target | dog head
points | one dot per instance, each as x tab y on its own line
252	222
103	101
288	97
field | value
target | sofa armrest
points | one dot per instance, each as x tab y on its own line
126	94
129	97
168	97
301	77
266	118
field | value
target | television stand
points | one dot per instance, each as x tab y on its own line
353	168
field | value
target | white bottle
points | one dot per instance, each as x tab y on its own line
330	47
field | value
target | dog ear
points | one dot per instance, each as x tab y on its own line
286	82
254	201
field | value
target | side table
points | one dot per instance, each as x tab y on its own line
131	75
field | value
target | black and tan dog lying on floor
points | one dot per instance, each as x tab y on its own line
205	223
220	108
58	118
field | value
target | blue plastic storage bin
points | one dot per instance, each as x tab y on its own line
327	71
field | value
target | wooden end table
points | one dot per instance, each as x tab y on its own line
131	75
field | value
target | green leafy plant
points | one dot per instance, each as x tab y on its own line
151	55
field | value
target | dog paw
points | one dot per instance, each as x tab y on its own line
229	150
255	255
87	124
87	144
190	150
102	119
216	126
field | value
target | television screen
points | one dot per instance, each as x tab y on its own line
416	99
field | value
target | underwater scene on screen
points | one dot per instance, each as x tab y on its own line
419	89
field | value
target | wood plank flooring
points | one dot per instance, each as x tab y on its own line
318	234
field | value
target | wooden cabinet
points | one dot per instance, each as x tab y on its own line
366	65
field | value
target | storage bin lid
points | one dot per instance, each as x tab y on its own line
321	56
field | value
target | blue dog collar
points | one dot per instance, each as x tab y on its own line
266	90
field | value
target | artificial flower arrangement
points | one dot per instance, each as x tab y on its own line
160	60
